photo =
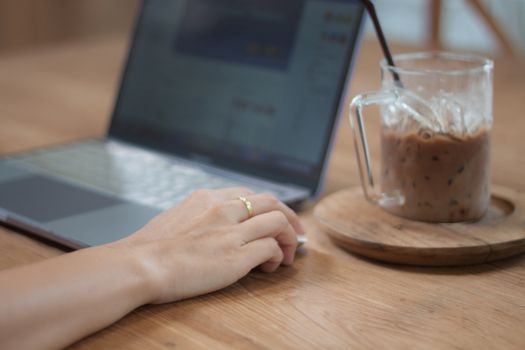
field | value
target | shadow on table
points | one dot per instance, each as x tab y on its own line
450	270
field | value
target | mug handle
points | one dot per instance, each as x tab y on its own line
372	194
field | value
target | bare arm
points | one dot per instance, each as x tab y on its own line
204	244
54	302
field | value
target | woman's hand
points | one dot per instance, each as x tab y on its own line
209	242
204	244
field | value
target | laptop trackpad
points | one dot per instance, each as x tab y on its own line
44	199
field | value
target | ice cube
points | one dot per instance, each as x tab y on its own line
416	113
451	112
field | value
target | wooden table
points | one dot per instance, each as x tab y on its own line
329	298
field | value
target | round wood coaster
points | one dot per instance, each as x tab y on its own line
365	229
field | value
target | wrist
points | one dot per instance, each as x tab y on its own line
135	265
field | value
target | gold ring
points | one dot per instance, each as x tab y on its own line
248	205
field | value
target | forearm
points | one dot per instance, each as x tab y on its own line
56	302
206	243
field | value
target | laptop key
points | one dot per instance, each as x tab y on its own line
134	175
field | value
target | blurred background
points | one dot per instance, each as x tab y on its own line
497	26
29	23
462	23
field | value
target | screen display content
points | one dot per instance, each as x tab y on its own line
253	85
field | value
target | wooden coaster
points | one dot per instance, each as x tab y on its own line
365	229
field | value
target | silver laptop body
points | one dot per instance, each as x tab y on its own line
97	191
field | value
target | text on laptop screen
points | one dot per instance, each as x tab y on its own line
252	80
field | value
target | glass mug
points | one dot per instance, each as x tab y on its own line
436	120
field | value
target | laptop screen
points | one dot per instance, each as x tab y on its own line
250	85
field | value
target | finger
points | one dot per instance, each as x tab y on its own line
265	253
265	203
231	193
274	225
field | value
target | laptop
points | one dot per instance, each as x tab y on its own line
215	93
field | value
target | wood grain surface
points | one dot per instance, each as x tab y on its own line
329	299
368	230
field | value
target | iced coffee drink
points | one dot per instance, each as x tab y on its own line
443	178
436	117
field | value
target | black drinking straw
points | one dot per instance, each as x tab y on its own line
370	8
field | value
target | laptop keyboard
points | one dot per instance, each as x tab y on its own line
127	173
